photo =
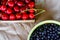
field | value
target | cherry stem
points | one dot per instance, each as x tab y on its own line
40	12
35	11
32	9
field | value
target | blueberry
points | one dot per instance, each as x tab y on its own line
52	37
37	38
53	29
57	36
59	29
40	33
53	32
46	32
48	37
42	38
50	32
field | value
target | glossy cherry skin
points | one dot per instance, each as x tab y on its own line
18	16
4	17
3	8
16	9
31	4
27	1
9	11
31	16
31	11
22	10
10	3
25	16
12	17
20	3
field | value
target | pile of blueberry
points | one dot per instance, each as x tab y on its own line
15	9
49	31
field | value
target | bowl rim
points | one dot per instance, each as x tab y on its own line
41	23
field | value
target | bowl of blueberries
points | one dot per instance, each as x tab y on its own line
46	30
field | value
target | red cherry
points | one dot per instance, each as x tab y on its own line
27	1
26	6
22	9
23	12
16	8
10	0
15	1
0	7
31	11
4	2
31	4
0	15
10	3
20	3
4	17
31	15
12	17
9	11
25	16
18	16
3	8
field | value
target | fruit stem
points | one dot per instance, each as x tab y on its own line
40	12
31	9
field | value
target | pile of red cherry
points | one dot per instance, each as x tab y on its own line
16	9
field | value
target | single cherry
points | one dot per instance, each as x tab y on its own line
9	11
18	16
12	17
31	11
16	8
31	4
22	10
25	16
4	16
27	1
10	3
20	3
3	8
31	15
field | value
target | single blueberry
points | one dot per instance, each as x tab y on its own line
37	38
40	33
48	37
53	28
57	36
53	31
48	31
42	38
58	29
